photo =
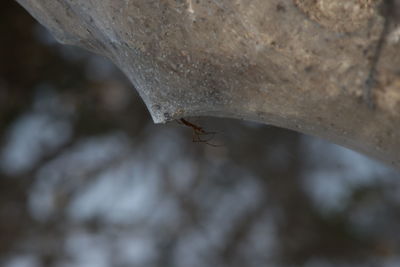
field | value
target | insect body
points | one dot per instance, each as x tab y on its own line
199	133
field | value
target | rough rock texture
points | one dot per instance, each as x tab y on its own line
298	64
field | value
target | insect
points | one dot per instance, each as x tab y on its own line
390	10
199	133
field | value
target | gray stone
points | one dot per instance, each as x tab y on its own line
297	64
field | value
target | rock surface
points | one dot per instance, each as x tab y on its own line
297	64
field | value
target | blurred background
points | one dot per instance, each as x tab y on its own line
86	178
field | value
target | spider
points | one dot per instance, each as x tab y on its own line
198	133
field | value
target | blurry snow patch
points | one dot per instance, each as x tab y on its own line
260	245
47	100
165	214
73	169
224	210
119	195
135	250
166	145
133	191
369	218
86	250
329	191
29	139
334	172
227	207
183	172
23	261
91	153
194	250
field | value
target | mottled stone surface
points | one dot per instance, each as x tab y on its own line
298	64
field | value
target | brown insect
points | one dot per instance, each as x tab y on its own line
199	133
